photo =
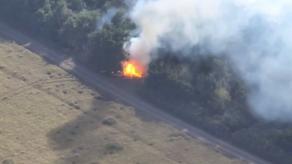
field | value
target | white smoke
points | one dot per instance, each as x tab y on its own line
106	18
255	34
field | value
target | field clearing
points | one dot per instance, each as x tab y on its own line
48	116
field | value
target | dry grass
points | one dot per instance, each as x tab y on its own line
48	116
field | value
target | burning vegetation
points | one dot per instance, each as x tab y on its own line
133	69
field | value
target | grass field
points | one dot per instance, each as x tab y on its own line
48	116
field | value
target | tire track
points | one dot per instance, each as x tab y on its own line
34	84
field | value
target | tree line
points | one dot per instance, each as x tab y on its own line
204	91
72	25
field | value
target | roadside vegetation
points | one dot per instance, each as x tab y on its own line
205	91
93	30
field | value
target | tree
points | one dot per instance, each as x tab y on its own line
106	45
76	29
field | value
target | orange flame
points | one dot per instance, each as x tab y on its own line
133	69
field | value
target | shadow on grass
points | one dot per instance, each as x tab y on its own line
82	140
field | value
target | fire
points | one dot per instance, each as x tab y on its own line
133	69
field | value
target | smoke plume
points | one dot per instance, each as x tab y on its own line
254	34
106	18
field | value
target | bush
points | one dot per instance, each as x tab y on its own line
112	148
110	121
